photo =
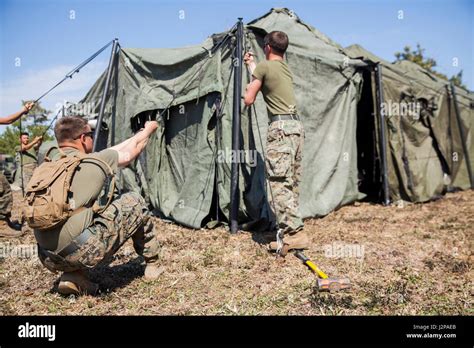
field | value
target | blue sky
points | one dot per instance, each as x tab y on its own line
50	40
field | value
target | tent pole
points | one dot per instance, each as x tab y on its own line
234	176
114	110
104	95
383	147
461	132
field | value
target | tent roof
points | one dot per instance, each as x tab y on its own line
429	78
357	51
304	39
280	18
408	69
168	56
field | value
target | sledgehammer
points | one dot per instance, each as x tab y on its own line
324	282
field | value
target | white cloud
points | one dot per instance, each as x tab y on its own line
32	84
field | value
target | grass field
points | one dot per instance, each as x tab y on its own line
415	259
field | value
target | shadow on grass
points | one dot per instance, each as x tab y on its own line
111	278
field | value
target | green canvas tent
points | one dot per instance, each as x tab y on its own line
425	152
185	172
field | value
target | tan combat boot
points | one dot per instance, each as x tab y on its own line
153	271
7	232
298	240
76	283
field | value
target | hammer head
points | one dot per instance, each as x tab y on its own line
333	284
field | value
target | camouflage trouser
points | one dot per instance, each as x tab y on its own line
6	198
283	161
28	170
127	217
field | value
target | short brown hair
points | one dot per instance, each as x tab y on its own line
69	128
277	40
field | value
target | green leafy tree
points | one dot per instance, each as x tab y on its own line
457	80
417	56
33	123
38	114
9	139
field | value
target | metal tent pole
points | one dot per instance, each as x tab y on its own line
114	110
382	132
21	163
463	139
104	94
234	176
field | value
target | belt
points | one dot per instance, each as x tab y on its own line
285	117
76	243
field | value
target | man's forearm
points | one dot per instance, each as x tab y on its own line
28	146
131	151
12	118
137	138
122	145
131	148
251	66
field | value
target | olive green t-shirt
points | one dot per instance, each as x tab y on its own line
29	156
277	86
86	186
